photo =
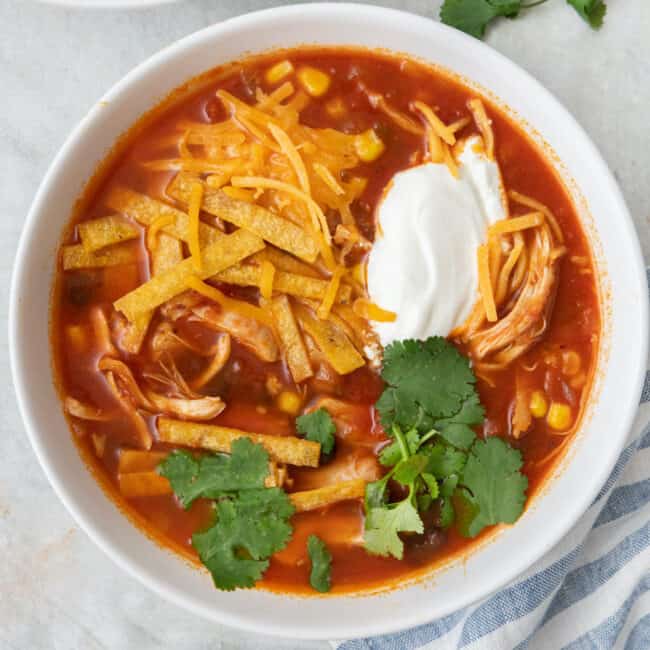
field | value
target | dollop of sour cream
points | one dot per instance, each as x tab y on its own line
423	264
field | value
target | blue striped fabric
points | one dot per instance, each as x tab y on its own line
592	591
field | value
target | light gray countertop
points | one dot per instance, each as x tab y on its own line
57	590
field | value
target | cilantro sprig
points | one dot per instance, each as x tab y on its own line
320	577
430	407
318	426
251	521
473	16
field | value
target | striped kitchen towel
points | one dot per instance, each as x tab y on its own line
591	591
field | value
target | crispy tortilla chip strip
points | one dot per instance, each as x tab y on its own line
142	463
283	282
293	346
136	460
145	210
325	496
332	341
105	231
143	484
76	257
284	449
167	254
285	262
218	256
270	227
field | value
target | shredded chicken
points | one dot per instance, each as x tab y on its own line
221	356
527	319
248	331
102	331
356	464
165	340
351	240
85	411
200	409
142	432
180	305
126	379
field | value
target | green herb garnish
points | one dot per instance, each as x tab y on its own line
318	427
251	521
473	16
320	577
429	407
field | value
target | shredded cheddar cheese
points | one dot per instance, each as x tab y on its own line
267	275
524	222
330	293
239	306
193	211
485	284
484	125
155	227
368	310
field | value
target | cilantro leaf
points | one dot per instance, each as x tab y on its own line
383	525
593	11
392	454
447	514
409	469
428	381
473	16
249	528
456	430
432	484
495	489
215	474
318	427
320	577
443	460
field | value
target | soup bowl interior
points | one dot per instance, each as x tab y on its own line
615	393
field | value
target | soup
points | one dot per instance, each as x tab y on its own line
323	319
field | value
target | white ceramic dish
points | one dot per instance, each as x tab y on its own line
108	4
514	549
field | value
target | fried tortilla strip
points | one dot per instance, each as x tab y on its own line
144	210
270	227
167	254
284	449
285	262
136	460
143	484
283	282
105	231
76	257
325	496
218	256
293	346
332	341
142	463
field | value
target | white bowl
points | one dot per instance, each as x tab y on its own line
621	363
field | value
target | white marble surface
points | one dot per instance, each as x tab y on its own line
57	591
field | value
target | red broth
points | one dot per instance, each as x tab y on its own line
573	329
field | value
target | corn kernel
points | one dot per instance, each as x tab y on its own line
289	402
368	146
279	71
538	404
559	416
314	81
239	193
335	107
571	363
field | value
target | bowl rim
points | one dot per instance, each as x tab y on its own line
565	520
